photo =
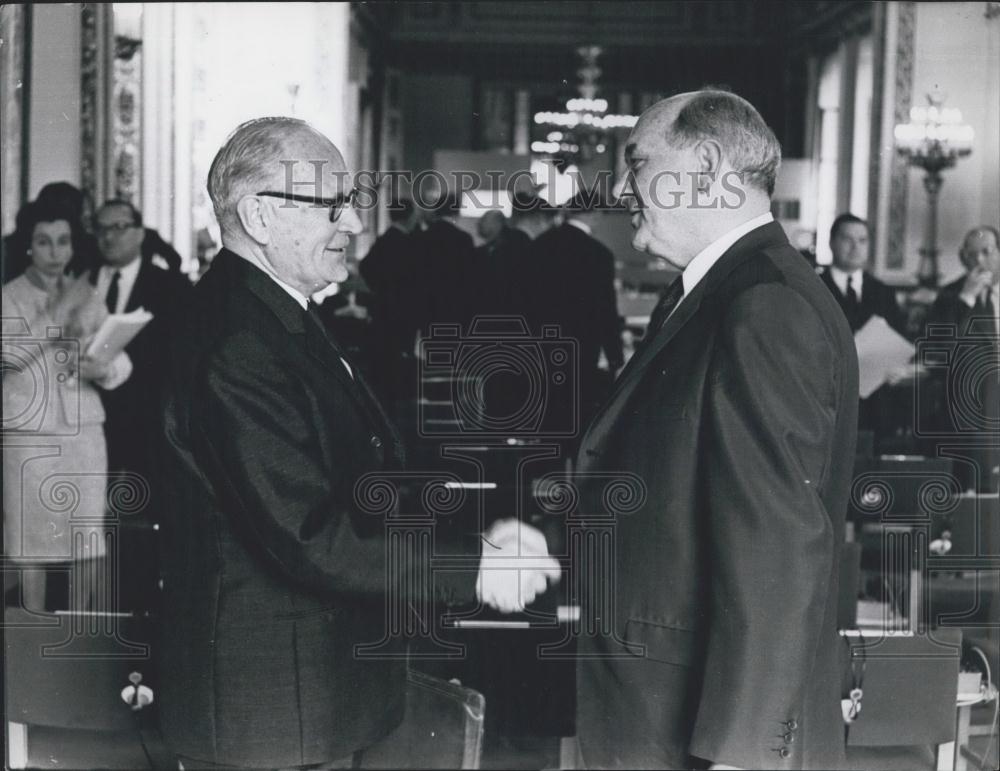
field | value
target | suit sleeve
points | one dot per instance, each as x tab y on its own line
769	420
894	315
610	325
262	434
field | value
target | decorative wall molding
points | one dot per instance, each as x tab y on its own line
126	124
96	54
899	180
15	57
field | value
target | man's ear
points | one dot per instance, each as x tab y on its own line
708	155
255	218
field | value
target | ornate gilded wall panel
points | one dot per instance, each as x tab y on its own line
895	257
15	25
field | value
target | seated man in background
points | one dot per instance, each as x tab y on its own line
973	295
967	310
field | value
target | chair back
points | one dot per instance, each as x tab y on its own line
909	686
442	728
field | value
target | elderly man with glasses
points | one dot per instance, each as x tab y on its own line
276	577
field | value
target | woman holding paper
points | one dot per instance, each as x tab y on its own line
55	457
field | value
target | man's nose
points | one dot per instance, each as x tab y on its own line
350	222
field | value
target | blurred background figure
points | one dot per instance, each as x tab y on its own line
502	267
573	275
50	398
126	280
445	253
392	271
887	414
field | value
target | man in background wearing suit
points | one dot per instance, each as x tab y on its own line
128	281
274	572
574	277
739	416
861	296
392	269
447	254
858	293
974	295
969	307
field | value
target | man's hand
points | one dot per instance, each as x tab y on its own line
92	369
977	282
515	566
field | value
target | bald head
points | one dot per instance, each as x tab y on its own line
981	249
269	154
747	143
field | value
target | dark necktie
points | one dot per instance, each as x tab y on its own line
312	312
852	299
668	301
111	299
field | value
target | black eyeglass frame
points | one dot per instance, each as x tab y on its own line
336	204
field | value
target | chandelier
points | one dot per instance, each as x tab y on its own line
933	140
582	130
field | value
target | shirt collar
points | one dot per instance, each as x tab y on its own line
579	224
840	278
128	273
292	292
707	257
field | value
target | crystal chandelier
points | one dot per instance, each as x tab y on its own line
933	140
582	130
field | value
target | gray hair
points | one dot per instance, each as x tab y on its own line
748	143
247	162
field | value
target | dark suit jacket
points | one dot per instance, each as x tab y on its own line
574	287
740	420
446	254
950	308
963	399
877	299
502	281
392	269
134	408
272	573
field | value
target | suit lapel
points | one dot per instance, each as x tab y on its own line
316	344
764	236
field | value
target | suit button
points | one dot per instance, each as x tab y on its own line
376	442
784	752
789	737
791	724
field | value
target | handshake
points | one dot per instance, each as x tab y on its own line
515	566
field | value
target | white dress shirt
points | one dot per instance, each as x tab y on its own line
707	257
126	282
840	278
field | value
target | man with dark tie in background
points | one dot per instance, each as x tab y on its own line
128	281
861	296
739	416
975	294
966	314
858	293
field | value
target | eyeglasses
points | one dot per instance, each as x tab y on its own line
336	204
115	227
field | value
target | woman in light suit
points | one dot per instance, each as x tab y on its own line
55	457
